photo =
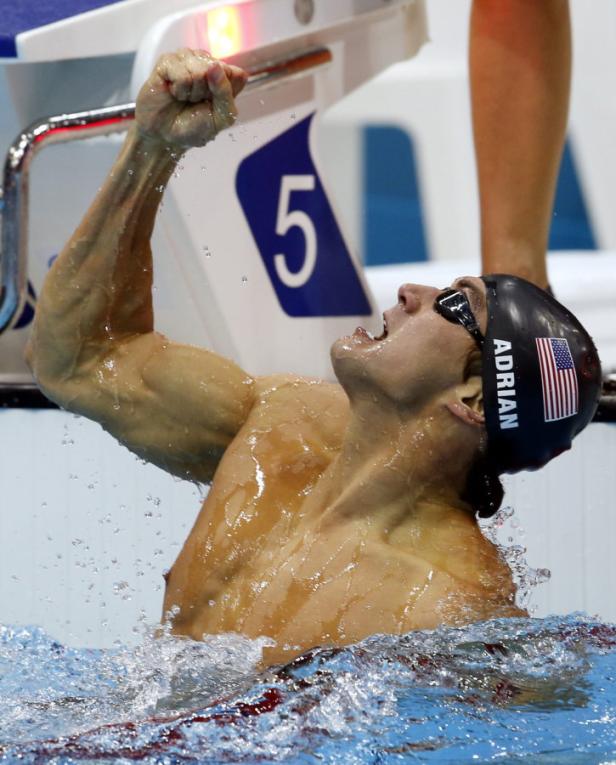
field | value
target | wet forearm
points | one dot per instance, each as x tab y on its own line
99	288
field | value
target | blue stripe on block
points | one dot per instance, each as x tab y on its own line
20	16
571	227
392	211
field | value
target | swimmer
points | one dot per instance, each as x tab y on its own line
336	510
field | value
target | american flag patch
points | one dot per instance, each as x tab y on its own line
558	378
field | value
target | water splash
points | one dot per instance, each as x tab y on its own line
504	524
514	690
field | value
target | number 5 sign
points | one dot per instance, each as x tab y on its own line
296	231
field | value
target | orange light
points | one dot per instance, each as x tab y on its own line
224	31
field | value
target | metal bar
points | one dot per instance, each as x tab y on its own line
71	127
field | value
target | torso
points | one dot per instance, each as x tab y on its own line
260	561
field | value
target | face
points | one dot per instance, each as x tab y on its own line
419	354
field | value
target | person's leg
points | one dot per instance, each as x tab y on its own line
520	70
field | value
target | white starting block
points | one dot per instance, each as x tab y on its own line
249	222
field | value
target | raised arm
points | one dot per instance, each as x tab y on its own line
93	347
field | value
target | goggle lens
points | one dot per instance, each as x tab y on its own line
453	306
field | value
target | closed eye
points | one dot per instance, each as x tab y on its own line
472	294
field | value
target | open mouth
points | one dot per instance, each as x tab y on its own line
385	331
369	334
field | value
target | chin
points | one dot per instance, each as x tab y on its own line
337	353
343	356
347	347
350	363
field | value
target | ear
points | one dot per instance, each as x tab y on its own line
466	402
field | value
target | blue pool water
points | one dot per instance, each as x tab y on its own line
509	691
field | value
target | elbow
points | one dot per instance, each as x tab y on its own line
55	365
46	375
29	356
46	386
33	362
34	350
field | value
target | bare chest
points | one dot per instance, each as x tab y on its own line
313	589
263	489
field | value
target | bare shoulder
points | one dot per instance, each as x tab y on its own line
286	399
457	602
466	577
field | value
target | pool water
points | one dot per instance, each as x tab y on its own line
504	691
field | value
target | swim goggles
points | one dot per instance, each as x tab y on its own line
453	305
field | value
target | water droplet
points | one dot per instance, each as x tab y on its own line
244	280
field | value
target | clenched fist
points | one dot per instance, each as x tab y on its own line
189	98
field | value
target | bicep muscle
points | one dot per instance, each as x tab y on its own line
174	405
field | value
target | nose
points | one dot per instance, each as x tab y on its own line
406	298
411	296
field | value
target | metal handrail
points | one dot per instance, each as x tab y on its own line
14	194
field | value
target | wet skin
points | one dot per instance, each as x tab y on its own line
335	511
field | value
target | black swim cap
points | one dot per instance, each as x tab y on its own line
541	375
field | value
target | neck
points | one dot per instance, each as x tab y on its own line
397	466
